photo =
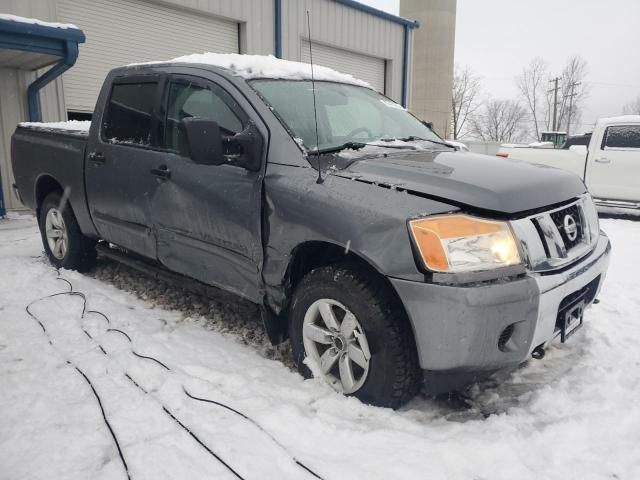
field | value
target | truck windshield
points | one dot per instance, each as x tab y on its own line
347	114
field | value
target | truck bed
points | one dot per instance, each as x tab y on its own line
42	152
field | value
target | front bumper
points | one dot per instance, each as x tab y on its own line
458	328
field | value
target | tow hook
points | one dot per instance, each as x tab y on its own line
538	353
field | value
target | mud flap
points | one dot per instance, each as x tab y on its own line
274	325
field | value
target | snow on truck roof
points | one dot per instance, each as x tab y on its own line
265	66
620	119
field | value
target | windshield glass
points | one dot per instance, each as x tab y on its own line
346	113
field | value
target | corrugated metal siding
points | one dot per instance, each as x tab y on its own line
12	111
369	69
127	31
342	27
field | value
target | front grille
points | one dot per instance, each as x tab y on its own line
570	225
559	237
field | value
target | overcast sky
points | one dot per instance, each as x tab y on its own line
498	37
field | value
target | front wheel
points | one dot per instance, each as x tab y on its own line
63	242
346	327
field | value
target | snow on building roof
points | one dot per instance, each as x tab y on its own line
266	66
35	21
71	125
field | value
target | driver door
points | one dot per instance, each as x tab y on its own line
207	218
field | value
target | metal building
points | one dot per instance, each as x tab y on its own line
347	35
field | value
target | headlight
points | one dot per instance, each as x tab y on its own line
461	243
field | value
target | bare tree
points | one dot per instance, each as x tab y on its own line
500	121
573	92
466	88
632	108
532	84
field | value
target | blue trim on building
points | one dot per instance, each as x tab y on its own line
405	67
278	27
55	41
379	13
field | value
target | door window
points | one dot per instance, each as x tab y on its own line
622	136
189	100
129	113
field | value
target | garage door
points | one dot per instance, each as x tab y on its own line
369	69
120	32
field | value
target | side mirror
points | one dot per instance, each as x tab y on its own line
578	149
244	149
204	140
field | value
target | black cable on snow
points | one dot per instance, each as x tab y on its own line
193	435
104	416
256	424
95	393
152	359
71	292
119	331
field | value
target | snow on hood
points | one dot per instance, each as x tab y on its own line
35	21
265	66
72	125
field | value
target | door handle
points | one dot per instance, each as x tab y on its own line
162	172
602	160
98	158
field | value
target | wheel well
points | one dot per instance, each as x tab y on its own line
311	255
44	187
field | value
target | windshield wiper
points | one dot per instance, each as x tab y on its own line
413	138
356	146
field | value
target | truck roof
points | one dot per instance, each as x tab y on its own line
263	66
620	119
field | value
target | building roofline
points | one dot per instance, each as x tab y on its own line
379	13
33	29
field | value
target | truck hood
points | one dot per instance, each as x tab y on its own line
467	179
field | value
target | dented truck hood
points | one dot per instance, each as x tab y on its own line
466	179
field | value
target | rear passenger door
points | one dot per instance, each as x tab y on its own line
207	217
614	171
120	158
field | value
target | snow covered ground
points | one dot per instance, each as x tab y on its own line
574	415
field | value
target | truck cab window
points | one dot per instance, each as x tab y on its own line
129	113
189	100
623	136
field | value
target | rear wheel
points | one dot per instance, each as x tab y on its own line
63	241
355	335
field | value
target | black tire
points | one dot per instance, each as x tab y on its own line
80	251
394	376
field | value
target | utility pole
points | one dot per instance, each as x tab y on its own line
571	95
555	101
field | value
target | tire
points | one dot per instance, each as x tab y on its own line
66	246
392	376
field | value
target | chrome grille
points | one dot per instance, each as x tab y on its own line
572	233
550	240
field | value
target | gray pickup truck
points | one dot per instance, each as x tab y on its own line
387	258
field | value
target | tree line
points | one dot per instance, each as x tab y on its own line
545	102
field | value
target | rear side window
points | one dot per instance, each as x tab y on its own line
623	136
129	113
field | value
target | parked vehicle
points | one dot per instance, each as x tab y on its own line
583	139
610	165
386	257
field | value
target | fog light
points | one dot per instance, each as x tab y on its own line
505	336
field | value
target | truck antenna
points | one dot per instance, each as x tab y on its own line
313	89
